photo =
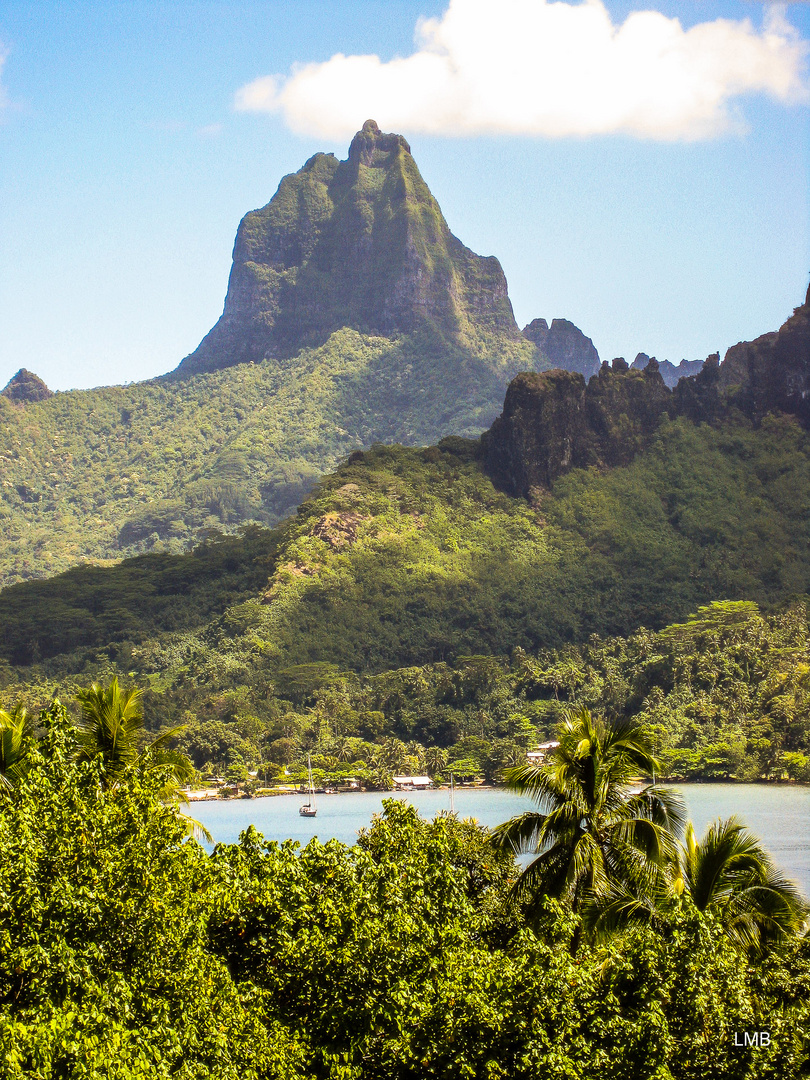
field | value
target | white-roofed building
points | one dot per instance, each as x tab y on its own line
412	783
534	757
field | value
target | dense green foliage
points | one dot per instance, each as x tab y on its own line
358	618
126	951
105	968
99	474
134	601
726	695
613	852
407	557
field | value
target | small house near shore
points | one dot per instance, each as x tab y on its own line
534	757
412	783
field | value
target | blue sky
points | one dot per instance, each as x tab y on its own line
133	137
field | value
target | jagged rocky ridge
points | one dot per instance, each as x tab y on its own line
670	373
553	421
565	345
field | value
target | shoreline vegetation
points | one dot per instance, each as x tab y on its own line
628	946
222	793
726	694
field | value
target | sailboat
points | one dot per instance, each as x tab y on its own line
309	808
452	796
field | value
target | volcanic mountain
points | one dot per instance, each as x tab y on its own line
360	243
353	316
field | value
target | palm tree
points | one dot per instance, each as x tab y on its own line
731	875
110	726
416	752
591	832
15	730
435	760
342	748
391	755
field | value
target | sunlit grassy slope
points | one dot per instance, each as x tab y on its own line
97	475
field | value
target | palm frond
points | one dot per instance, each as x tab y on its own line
522	834
614	910
16	730
729	873
547	875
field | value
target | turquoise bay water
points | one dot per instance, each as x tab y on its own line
779	816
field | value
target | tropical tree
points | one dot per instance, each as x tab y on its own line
416	755
16	729
729	873
726	873
341	748
110	726
591	832
435	760
391	755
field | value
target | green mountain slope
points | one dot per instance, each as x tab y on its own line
410	598
584	509
368	321
98	475
412	556
387	606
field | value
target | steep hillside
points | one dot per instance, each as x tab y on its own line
391	604
353	316
584	508
25	387
412	556
102	474
457	596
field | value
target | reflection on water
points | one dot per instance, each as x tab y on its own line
778	815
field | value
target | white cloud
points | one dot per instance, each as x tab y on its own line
530	67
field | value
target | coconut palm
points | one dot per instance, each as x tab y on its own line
416	753
591	831
110	726
729	873
15	730
391	755
342	748
435	760
726	873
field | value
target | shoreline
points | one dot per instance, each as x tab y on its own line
213	794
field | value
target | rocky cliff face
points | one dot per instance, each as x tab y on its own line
564	345
26	387
552	421
359	243
772	372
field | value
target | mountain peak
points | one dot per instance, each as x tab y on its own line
372	147
362	244
565	345
26	387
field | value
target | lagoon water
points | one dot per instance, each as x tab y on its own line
779	816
